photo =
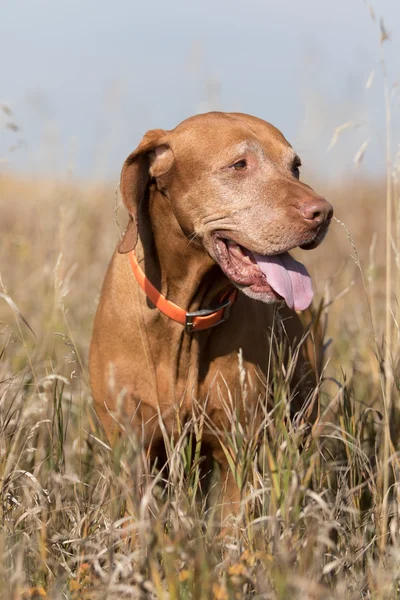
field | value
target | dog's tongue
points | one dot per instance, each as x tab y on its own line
288	277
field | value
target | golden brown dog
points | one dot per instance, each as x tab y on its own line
215	205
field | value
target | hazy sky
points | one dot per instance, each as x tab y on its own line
85	79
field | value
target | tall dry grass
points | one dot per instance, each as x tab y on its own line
80	520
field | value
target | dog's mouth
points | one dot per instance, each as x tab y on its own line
268	278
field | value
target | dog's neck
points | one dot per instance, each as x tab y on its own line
176	264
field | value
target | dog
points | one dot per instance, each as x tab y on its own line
215	205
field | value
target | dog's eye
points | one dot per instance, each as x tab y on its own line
296	167
241	165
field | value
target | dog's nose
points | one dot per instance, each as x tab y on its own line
317	211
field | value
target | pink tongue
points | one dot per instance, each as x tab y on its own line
289	278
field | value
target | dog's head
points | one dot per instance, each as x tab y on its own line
232	181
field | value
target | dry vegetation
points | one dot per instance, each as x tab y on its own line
312	509
321	509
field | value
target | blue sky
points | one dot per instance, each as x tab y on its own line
85	79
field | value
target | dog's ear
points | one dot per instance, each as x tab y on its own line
151	159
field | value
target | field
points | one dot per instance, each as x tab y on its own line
80	520
313	511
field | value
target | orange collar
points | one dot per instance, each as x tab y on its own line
193	321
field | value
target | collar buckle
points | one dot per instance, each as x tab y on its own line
206	312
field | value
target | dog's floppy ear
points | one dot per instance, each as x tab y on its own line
152	158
